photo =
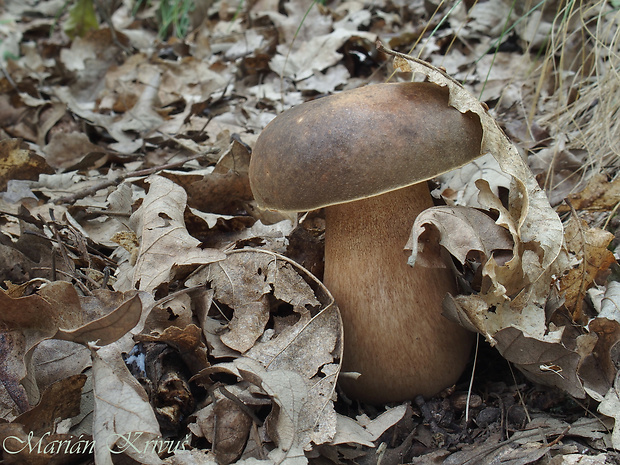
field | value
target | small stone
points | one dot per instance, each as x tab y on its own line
487	416
459	401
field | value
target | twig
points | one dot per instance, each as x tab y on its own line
140	173
471	380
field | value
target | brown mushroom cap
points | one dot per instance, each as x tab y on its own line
360	143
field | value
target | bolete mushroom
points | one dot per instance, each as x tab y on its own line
365	155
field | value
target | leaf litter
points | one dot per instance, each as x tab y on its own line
143	288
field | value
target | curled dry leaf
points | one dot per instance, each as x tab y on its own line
610	306
598	367
477	232
515	297
288	391
108	328
30	320
186	341
529	206
534	225
231	431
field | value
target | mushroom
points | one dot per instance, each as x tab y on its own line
365	155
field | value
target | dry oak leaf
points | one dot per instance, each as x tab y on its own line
123	417
549	363
589	245
243	281
24	323
54	360
598	368
240	282
304	343
365	431
477	232
536	230
72	151
186	341
17	161
59	401
457	188
289	392
599	195
305	346
204	421
143	118
247	325
227	188
303	349
317	53
536	223
34	315
166	248
520	291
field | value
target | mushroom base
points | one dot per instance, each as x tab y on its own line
394	333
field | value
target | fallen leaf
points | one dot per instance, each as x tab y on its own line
600	194
232	428
105	330
477	233
297	361
60	400
165	245
317	53
128	424
17	161
26	321
589	245
247	325
548	363
70	150
187	341
54	360
610	406
365	432
288	391
598	368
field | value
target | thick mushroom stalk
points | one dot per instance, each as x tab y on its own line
365	155
395	335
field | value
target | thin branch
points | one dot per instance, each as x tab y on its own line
117	180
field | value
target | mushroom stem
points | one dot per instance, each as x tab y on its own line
395	335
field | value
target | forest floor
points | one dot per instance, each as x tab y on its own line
152	312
